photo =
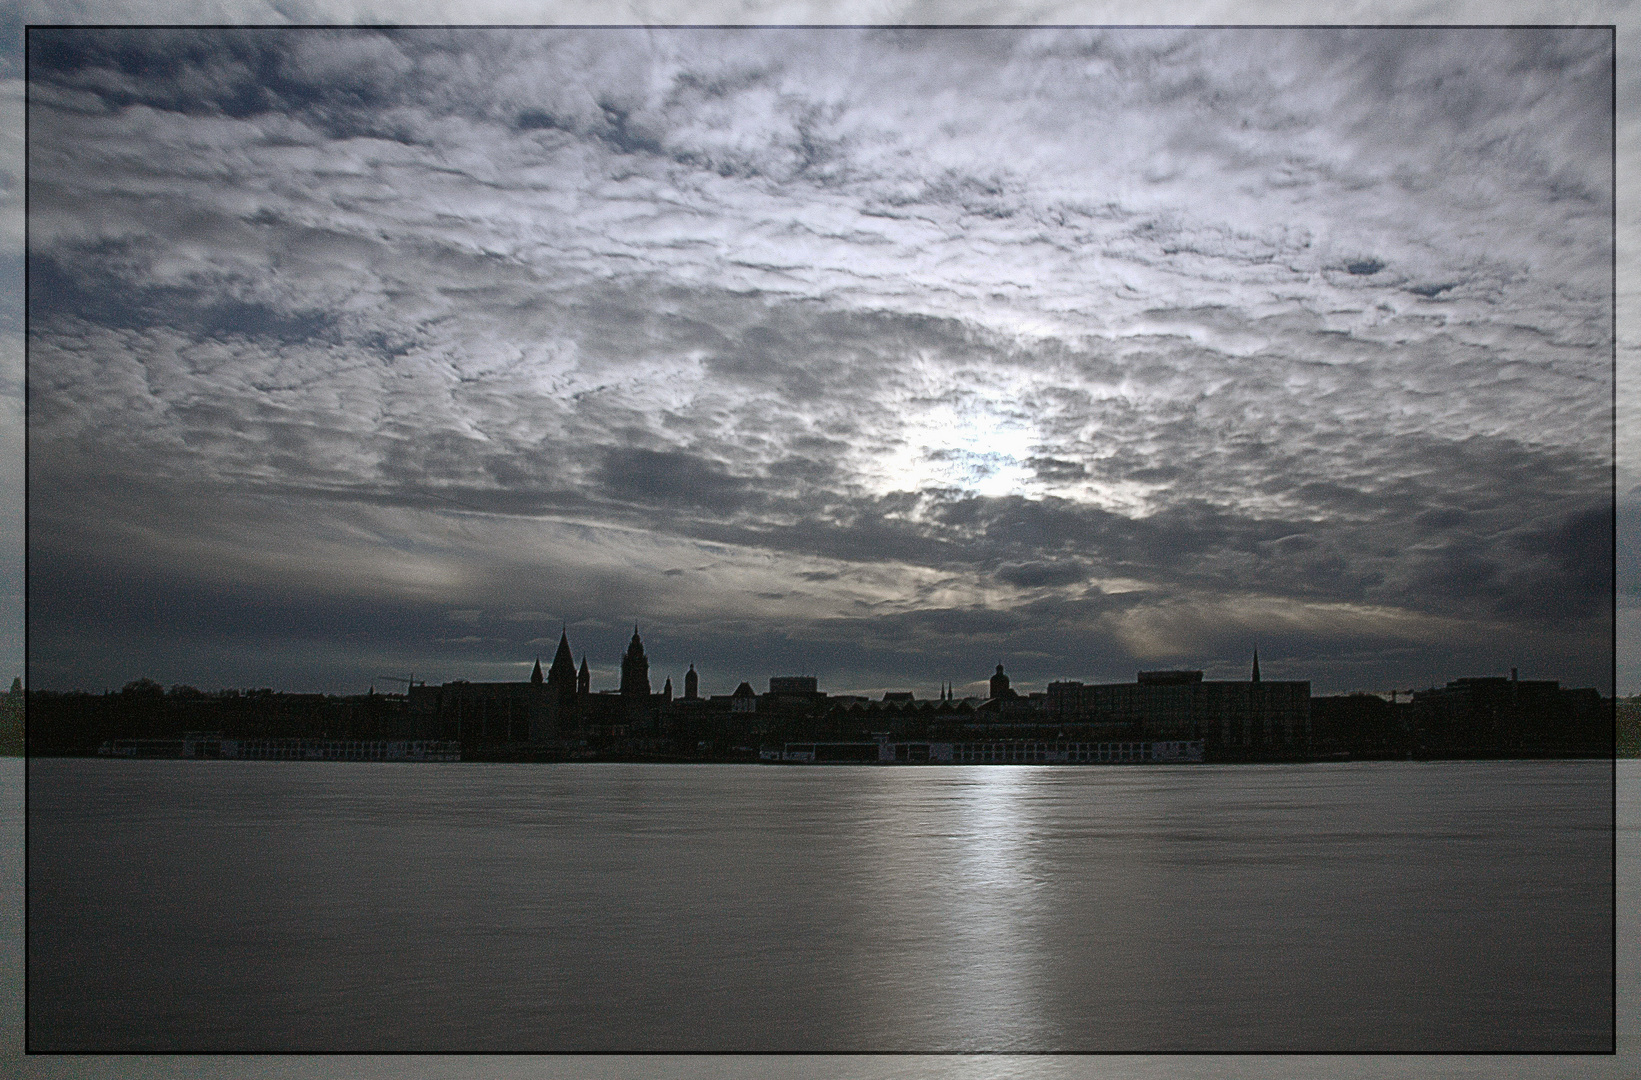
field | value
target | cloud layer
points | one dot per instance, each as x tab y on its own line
888	353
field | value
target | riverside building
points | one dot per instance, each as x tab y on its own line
1230	717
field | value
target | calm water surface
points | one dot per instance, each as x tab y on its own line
327	906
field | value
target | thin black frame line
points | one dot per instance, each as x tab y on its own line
818	26
1612	251
26	680
465	1054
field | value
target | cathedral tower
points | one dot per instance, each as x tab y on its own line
561	676
635	670
1000	684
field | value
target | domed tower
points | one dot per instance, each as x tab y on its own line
692	684
561	676
1000	684
635	670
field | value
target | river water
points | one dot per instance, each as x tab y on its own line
282	906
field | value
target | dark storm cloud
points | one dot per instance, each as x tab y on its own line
671	479
1158	337
1032	574
338	83
110	300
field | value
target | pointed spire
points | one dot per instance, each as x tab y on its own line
1256	666
635	670
535	676
561	675
563	663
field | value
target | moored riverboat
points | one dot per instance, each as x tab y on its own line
988	752
211	745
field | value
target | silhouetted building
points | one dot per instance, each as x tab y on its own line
635	670
1253	718
1176	678
480	713
899	713
1362	726
692	684
561	677
557	708
1000	684
1499	715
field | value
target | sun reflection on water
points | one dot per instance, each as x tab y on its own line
994	887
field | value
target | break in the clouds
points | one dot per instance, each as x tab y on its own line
887	354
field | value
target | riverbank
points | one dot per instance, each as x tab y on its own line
1629	727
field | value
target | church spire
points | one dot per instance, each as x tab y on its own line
1256	666
635	669
535	676
561	676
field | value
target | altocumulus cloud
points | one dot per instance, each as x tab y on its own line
885	353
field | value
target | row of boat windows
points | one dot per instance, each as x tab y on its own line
1071	755
328	755
331	751
1039	751
1049	747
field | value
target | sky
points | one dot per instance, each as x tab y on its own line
882	355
